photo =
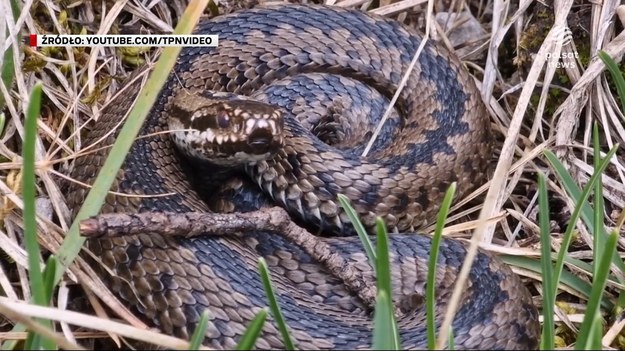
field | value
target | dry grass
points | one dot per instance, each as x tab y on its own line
530	108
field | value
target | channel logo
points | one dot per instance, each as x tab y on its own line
564	35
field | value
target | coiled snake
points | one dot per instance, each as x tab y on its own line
272	54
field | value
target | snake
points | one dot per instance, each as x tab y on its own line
278	113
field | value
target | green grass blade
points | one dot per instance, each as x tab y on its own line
383	331
3	120
452	344
430	292
73	242
598	228
200	331
586	267
360	229
248	340
570	186
35	276
616	74
619	82
547	341
592	318
581	203
590	332
385	318
383	261
569	279
581	198
595	224
29	191
273	304
48	277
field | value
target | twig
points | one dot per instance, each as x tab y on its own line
192	224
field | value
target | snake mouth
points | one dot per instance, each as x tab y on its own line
261	141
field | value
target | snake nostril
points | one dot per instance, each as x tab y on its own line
260	140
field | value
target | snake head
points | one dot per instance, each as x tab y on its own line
223	129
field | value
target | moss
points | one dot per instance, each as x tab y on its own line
32	61
555	98
95	95
133	56
533	36
540	23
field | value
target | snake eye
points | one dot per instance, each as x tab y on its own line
223	120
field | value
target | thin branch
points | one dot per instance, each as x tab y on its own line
193	224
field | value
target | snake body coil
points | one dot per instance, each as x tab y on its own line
441	138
